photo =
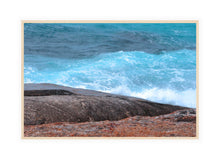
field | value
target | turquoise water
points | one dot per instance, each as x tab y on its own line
151	61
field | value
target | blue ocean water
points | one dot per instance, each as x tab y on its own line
151	61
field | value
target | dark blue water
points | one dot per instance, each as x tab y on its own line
151	61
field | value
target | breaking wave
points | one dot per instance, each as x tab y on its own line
168	77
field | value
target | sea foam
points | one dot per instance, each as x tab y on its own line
169	77
169	96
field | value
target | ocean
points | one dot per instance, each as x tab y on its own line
154	61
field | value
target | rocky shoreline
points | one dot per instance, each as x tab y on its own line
57	111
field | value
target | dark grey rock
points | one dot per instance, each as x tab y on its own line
49	103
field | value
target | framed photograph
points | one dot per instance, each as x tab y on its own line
110	79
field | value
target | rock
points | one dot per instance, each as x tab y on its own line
49	103
137	126
188	115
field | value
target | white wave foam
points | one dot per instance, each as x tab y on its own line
165	78
28	80
185	98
